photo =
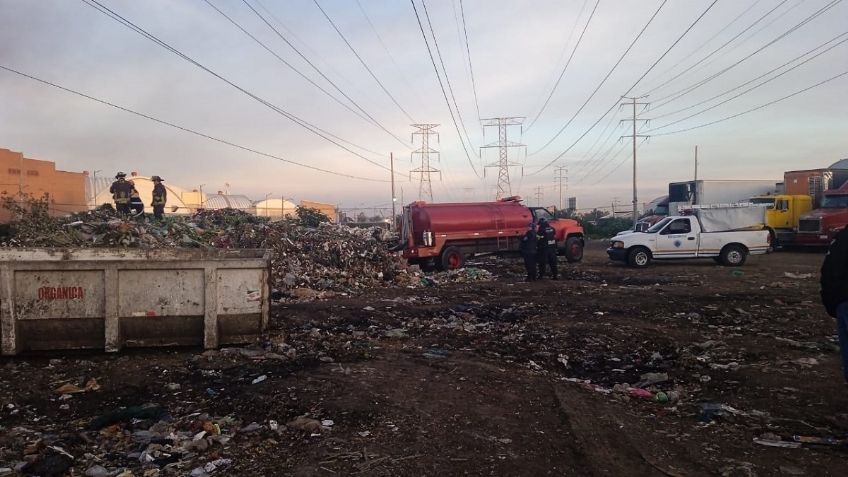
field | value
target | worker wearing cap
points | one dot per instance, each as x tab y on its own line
160	197
121	191
528	247
547	250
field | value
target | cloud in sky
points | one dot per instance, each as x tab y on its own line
517	49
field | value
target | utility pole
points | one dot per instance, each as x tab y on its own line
696	162
539	194
503	145
425	185
94	189
634	102
561	174
394	199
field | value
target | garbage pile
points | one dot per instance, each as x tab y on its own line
326	257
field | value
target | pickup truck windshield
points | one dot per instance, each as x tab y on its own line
658	226
835	202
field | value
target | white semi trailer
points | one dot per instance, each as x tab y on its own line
681	195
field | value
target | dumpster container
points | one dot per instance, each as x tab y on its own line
53	299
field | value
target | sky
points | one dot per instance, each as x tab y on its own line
516	50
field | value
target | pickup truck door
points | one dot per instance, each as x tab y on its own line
677	239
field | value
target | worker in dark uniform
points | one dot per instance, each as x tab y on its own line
547	248
121	191
834	291
529	249
160	197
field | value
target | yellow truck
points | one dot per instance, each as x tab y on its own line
783	213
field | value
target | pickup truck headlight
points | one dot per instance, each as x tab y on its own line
617	244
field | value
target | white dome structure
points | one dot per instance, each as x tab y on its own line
276	209
226	201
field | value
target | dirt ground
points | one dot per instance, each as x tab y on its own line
494	377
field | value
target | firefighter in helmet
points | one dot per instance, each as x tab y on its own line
121	190
160	197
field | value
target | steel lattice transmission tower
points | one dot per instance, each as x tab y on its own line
561	175
503	145
425	185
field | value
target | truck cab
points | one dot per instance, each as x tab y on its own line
818	227
569	243
784	213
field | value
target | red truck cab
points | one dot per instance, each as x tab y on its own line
818	227
443	235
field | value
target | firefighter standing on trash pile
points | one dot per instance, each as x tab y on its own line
529	249
547	250
160	197
121	191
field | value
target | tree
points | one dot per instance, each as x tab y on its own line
310	217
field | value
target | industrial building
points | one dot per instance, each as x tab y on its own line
21	175
276	209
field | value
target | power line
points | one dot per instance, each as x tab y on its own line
591	158
367	68
756	86
564	68
620	163
470	67
367	118
314	67
563	153
383	43
442	86
756	108
186	129
693	87
693	65
300	122
609	73
702	45
445	71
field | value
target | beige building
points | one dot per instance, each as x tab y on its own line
330	210
21	175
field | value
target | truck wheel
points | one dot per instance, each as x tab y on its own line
573	249
639	257
451	259
733	255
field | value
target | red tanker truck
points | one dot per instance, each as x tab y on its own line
443	235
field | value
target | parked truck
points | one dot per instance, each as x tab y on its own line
814	182
683	194
783	214
443	235
685	237
818	227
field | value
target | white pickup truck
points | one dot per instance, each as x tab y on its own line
680	237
